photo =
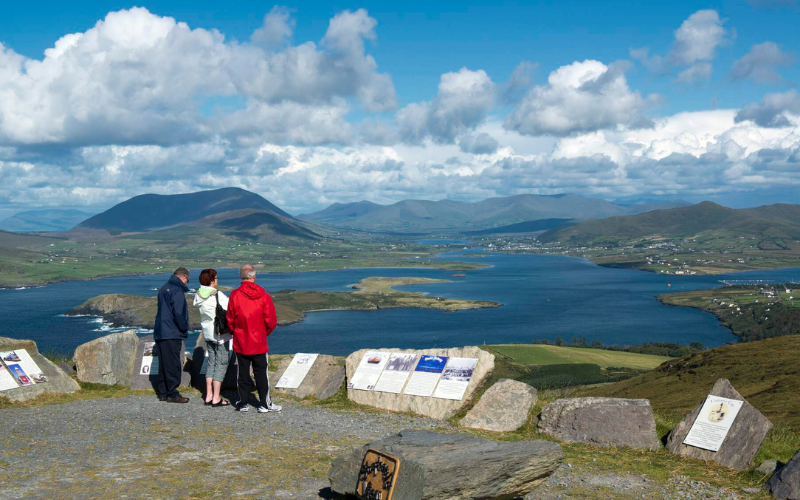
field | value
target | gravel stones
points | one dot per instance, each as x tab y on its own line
742	442
504	407
785	484
601	421
426	406
108	360
57	380
454	466
322	381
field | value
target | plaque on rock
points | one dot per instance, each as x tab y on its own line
377	476
147	373
297	370
712	425
737	447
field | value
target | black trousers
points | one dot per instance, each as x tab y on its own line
169	359
259	362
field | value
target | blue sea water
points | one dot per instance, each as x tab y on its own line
543	297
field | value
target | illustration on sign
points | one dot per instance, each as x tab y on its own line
7	381
394	376
27	365
377	476
149	359
426	375
455	378
713	423
369	370
296	371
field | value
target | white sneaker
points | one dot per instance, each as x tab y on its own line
274	407
262	409
242	408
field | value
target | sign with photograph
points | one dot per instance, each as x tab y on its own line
426	375
394	376
455	378
713	423
7	381
369	370
27	366
149	359
297	371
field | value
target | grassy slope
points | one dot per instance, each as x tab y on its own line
765	372
554	355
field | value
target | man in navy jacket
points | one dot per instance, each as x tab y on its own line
172	326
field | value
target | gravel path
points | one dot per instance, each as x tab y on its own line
138	447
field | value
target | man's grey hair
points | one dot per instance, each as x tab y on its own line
181	271
247	272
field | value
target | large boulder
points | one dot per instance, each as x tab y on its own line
427	406
785	484
322	381
454	466
57	382
108	360
742	442
602	422
504	407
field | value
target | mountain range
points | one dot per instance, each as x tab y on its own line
48	220
449	215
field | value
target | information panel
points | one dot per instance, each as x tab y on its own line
426	375
149	359
296	371
369	370
713	423
455	378
22	367
394	376
7	381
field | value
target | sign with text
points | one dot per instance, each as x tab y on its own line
149	359
713	423
455	378
377	476
394	376
426	375
22	367
369	370
296	371
7	381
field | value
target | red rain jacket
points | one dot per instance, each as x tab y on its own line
251	318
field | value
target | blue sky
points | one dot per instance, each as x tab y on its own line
389	124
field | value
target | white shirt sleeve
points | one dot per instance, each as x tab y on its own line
223	300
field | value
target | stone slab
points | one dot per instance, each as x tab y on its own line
58	382
107	360
785	483
742	442
601	422
323	380
454	466
504	407
426	406
150	381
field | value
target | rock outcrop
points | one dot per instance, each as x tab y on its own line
742	442
504	407
454	466
108	360
58	382
323	380
427	406
785	484
601	421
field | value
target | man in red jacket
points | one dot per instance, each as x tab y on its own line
251	318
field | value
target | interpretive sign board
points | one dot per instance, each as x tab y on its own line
297	371
713	423
7	380
22	367
394	376
377	476
455	378
149	359
426	375
369	370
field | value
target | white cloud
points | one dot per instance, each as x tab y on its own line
774	111
277	30
761	63
581	97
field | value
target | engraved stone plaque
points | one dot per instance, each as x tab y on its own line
377	477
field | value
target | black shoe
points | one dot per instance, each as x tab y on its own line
162	398
178	399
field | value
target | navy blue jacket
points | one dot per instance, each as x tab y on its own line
172	320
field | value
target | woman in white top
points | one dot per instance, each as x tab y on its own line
217	346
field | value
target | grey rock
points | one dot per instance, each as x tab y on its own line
768	467
454	466
427	406
58	382
323	380
785	484
108	360
504	407
601	421
68	368
742	442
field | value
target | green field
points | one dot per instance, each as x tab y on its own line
543	355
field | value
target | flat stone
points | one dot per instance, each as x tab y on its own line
454	466
58	382
504	407
602	422
108	360
785	484
427	406
742	442
322	381
768	467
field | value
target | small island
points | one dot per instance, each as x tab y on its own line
291	306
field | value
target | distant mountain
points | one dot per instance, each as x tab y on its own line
48	220
526	227
149	212
774	221
425	215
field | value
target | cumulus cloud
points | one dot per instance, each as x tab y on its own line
581	97
774	111
277	30
519	82
479	144
761	64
